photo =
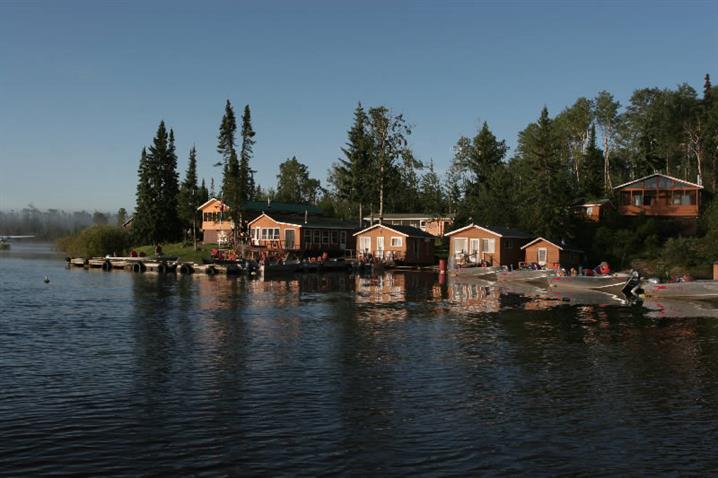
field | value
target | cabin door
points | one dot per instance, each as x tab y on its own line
289	239
474	255
380	247
542	256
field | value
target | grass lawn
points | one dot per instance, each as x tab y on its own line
185	252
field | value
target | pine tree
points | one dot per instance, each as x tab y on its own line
545	190
707	90
350	176
165	186
246	174
189	199
203	193
592	169
227	130
145	222
432	195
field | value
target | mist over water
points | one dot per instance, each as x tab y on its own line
397	375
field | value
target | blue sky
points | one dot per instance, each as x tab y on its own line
83	85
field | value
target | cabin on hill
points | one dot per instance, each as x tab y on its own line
496	246
552	254
434	225
301	233
402	244
593	210
217	224
659	195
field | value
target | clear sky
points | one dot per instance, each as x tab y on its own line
83	85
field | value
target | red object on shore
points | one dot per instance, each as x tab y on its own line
442	266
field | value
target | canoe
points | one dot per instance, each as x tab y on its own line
700	289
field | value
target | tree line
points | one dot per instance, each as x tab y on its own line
579	154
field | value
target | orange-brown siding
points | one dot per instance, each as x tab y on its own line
555	257
306	237
412	251
661	202
507	250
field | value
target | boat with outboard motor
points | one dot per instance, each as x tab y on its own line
697	290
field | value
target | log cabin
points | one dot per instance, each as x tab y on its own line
659	195
496	246
552	254
404	245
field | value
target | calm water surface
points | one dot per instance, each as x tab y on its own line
139	374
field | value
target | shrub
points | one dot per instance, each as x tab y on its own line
96	240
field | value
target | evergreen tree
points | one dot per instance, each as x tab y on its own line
145	222
478	157
165	188
591	171
203	193
544	191
227	130
189	197
246	174
351	176
432	194
707	90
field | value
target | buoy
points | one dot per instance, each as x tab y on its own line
46	280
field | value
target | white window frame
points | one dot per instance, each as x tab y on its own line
365	244
396	241
464	245
543	250
488	246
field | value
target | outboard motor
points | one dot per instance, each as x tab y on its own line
632	287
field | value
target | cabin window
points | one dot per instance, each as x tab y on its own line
335	237
459	245
509	244
342	237
626	198
649	198
270	233
422	225
308	236
488	246
317	236
637	199
396	242
365	244
325	237
676	198
688	198
589	211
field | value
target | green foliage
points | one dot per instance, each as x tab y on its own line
246	175
156	218
189	198
294	184
98	240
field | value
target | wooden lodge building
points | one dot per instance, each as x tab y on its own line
594	210
659	195
306	234
217	225
497	246
551	254
434	225
405	245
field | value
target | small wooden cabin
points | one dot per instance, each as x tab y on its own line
659	195
593	210
434	225
497	246
297	233
551	254
402	244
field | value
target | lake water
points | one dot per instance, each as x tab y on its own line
109	374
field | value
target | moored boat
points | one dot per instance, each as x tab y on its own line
700	289
610	283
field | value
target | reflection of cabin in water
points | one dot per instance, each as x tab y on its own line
659	195
434	225
497	246
217	224
552	254
300	233
403	244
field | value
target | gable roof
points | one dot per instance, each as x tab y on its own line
554	243
406	231
412	215
271	206
671	178
297	220
497	230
